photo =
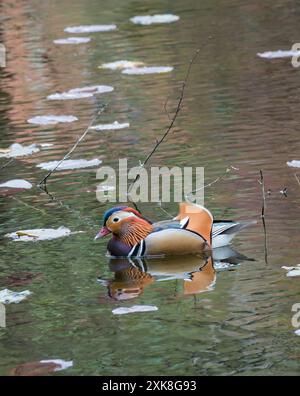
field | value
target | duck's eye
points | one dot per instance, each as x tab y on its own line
116	219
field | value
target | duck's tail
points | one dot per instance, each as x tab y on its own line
198	219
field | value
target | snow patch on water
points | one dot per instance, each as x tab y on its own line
108	127
122	64
89	28
7	296
79	93
135	308
17	183
72	40
43	234
150	19
294	164
148	70
63	364
17	150
69	164
278	54
292	271
51	119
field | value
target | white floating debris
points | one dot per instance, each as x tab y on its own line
17	183
297	332
62	364
148	70
73	40
108	127
90	28
17	150
294	164
51	119
8	296
150	19
292	271
69	96
79	93
43	234
278	54
69	164
135	308
93	89
46	145
119	65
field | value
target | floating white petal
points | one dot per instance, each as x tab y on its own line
43	234
108	127
73	40
278	54
51	119
69	96
8	296
63	364
17	150
147	70
122	64
135	308
69	164
150	19
46	145
93	89
294	164
292	271
79	93
90	28
16	183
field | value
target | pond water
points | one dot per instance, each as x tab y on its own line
239	110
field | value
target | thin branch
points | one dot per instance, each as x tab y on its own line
229	169
27	205
297	178
78	141
7	164
173	119
262	183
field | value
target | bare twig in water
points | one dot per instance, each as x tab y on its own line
262	183
27	205
229	169
7	164
78	141
173	119
297	178
77	214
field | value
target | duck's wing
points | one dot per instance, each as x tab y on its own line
224	231
169	242
188	233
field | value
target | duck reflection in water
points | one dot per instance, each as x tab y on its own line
197	273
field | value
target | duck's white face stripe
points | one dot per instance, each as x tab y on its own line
120	215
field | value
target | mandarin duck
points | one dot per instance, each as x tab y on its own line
192	231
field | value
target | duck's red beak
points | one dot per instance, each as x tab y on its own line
102	233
